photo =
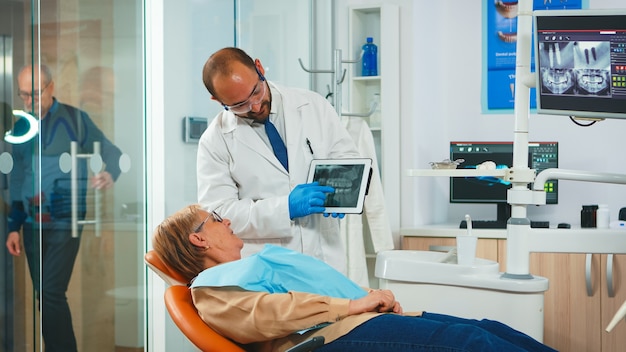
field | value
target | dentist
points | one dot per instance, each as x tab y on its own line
254	157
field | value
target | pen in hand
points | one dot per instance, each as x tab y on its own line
308	142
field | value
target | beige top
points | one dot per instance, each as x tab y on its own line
270	321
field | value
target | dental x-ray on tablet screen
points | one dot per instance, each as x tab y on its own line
349	177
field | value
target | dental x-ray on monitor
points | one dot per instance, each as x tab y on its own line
580	56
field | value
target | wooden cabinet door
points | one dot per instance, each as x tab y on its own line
571	316
616	339
574	319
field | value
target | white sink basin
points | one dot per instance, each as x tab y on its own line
406	265
426	267
420	281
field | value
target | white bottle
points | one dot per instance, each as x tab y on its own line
375	118
466	245
602	216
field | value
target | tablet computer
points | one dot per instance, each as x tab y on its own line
349	177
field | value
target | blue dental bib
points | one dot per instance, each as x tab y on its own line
279	270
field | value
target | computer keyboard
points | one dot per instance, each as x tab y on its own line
484	224
495	224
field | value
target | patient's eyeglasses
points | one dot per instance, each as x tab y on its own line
216	217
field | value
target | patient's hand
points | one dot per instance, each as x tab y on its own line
375	301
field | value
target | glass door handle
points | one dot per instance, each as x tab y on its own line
74	186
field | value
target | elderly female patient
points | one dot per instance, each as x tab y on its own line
277	298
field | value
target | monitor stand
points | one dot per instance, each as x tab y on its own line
504	212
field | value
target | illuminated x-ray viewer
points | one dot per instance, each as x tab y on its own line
349	177
581	62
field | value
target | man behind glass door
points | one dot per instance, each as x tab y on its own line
48	209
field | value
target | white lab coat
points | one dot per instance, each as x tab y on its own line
374	212
240	177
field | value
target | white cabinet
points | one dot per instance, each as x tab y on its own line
382	24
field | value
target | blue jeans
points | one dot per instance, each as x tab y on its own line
58	252
433	332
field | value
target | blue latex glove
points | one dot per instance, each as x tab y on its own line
335	215
307	199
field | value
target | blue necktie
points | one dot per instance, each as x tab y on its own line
277	143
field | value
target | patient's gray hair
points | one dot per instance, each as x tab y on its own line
171	242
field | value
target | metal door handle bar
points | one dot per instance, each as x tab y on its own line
609	275
588	274
74	186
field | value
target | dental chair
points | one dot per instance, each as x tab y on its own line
180	306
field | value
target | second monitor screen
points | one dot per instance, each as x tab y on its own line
541	156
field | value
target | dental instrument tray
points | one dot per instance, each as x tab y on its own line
349	177
446	164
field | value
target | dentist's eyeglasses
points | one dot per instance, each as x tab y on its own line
213	214
255	97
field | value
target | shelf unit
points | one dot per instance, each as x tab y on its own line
381	23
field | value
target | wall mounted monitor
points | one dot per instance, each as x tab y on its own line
580	60
493	190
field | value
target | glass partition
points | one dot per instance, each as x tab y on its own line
71	175
86	85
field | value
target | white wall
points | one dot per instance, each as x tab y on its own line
444	104
192	31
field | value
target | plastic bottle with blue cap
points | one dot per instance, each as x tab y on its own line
369	61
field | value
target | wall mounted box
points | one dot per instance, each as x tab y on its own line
193	127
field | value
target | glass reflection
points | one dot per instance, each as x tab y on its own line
94	54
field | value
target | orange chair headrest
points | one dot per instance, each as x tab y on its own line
180	305
168	274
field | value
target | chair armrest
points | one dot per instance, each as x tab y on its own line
308	345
